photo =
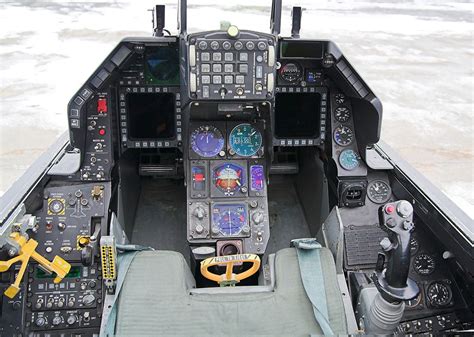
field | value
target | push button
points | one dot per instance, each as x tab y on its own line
239	79
216	56
244	57
205	57
205	68
243	68
228	57
228	68
228	79
217	67
217	79
206	79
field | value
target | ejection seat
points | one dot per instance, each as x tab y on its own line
158	298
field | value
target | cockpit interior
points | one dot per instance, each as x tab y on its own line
229	182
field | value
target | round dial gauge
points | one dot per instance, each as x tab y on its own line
245	140
439	294
229	219
424	264
349	160
228	178
342	114
207	141
343	135
379	191
339	98
290	72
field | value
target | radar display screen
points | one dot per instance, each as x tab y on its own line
297	115
162	65
301	49
151	116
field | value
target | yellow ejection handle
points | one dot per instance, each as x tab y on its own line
27	250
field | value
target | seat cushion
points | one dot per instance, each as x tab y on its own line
155	300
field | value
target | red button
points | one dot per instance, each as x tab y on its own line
389	209
102	132
101	105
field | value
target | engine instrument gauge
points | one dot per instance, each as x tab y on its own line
342	114
290	72
339	98
257	178
343	135
230	220
424	264
245	140
228	178
207	141
379	191
439	294
349	160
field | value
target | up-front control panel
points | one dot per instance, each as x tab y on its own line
227	68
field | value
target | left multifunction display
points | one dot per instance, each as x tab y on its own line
149	97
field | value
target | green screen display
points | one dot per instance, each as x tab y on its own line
75	272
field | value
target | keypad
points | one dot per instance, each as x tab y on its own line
239	66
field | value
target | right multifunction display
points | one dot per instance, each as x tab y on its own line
227	190
301	97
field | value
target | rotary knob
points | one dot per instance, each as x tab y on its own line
56	320
258	217
199	213
88	299
71	319
199	229
40	321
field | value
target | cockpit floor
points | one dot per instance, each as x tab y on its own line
160	221
287	220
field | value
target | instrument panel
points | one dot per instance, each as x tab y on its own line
227	185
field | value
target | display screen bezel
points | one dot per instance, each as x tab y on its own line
317	112
132	136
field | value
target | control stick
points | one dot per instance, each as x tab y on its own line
382	307
393	282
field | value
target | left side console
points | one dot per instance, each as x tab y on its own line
67	225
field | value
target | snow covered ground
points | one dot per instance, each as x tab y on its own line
417	56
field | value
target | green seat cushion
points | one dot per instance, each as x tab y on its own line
155	300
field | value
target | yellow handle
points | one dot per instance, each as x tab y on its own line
229	260
27	250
